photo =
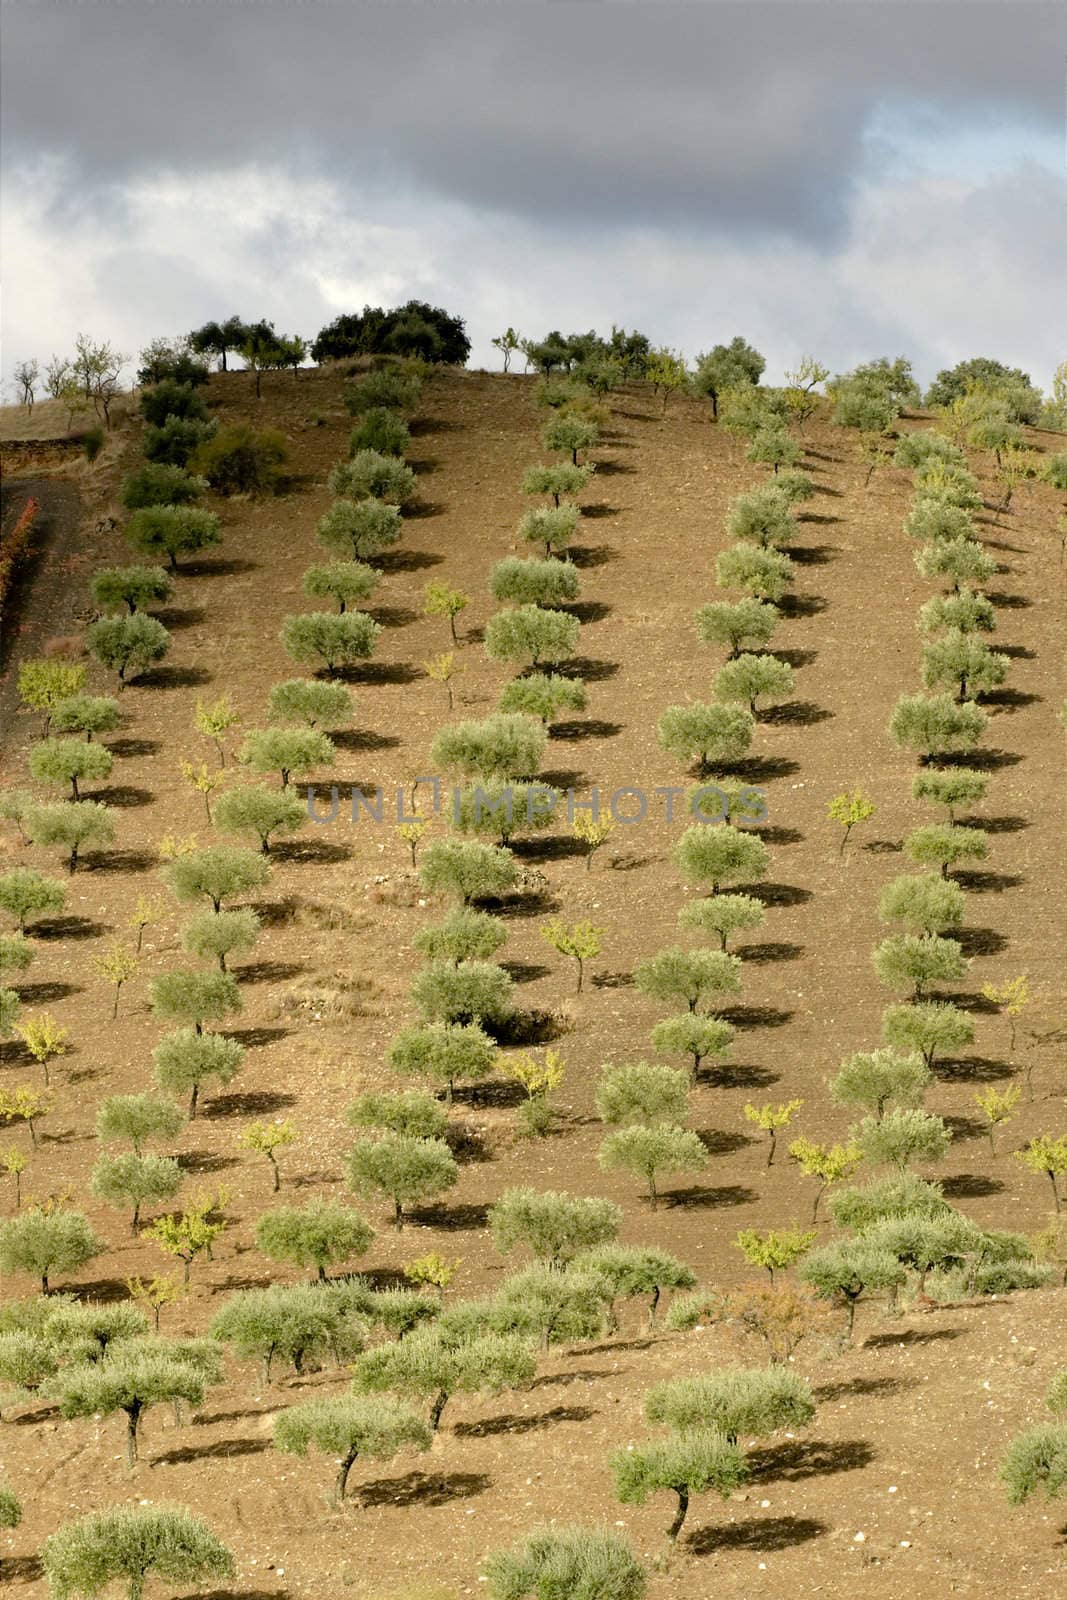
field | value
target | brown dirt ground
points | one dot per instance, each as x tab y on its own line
927	1403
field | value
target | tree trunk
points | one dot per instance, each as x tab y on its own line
437	1408
398	1216
342	1474
132	1418
652	1307
652	1195
683	1506
192	1101
277	1174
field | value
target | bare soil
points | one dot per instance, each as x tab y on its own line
913	1421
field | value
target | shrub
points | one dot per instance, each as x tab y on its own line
945	845
219	872
640	1093
747	677
43	1243
749	1401
381	431
27	1362
129	1542
554	1226
947	483
933	725
72	824
131	1179
16	953
44	682
371	475
463	935
931	519
185	1060
688	1465
923	1243
168	398
404	1170
649	1152
467	870
25	895
930	1028
761	517
766	574
552	1306
533	582
348	1428
343	581
915	448
858	407
359	530
128	645
901	1136
218	934
412	1113
10	1010
950	789
530	635
501	746
172	359
749	621
964	662
849	1271
176	440
707	736
875	1078
919	961
67	761
413	329
723	914
390	389
714	856
137	1117
335	638
1036	1459
552	526
306	700
901	1195
689	975
158	484
136	588
694	1036
319	1234
570	433
444	1053
470	991
240	460
961	560
925	904
965	613
586	1563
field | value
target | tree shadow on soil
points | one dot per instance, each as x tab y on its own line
221	1449
768	1533
701	1199
798	1459
517	1423
254	1102
424	1489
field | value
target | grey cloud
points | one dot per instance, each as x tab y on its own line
739	117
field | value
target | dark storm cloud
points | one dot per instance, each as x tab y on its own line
747	118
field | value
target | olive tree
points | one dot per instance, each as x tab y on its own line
71	824
371	475
929	1027
934	725
310	701
463	935
749	1402
130	1543
135	1180
648	1152
945	845
88	714
550	1305
543	695
501	746
444	1053
193	998
219	872
642	1093
749	677
919	960
70	761
332	637
965	662
1036	1459
902	1136
298	1322
128	645
42	1243
553	1226
965	613
260	812
924	904
874	1079
723	914
343	581
467	870
530	635
463	992
533	582
552	526
706	735
747	622
571	434
632	1271
714	856
689	975
762	517
848	1271
565	1563
404	1170
16	953
695	1036
410	1112
960	560
765	574
184	1060
319	1234
429	1365
932	519
556	481
359	530
218	934
951	788
381	430
687	1464
137	1117
902	1194
173	531
136	588
25	895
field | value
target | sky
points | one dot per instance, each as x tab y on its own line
846	178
